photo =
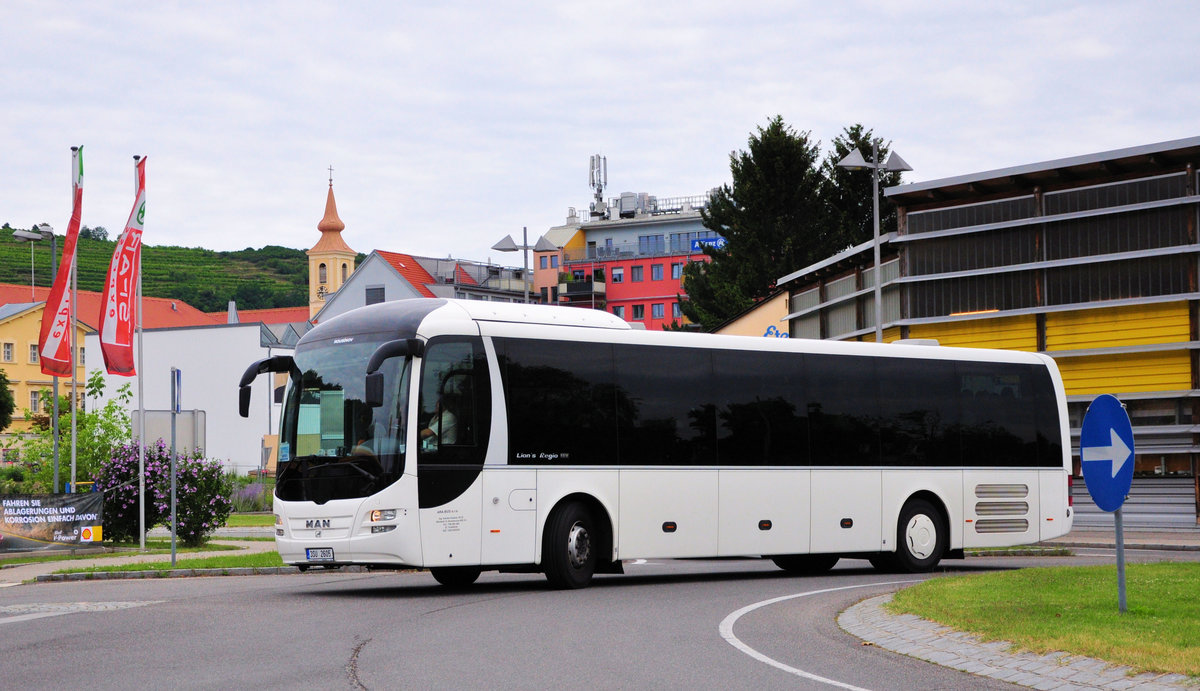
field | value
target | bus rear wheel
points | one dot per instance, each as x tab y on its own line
920	538
455	576
569	547
805	564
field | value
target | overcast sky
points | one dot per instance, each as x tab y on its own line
451	124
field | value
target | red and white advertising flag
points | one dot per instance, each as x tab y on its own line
118	315
54	341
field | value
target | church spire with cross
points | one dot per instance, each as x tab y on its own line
330	261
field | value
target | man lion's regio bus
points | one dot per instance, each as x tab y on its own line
463	436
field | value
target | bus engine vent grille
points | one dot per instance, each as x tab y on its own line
998	491
1002	525
1002	508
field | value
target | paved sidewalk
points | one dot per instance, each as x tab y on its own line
1186	539
910	635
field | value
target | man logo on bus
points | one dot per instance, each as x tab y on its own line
317	523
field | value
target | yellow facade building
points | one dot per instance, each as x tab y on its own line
20	324
1091	260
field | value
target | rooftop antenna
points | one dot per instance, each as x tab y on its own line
598	180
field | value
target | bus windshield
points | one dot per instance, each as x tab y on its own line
333	445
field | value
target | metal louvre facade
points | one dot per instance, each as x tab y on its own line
1092	260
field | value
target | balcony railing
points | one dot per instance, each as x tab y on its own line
571	289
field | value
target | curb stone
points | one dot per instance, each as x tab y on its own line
926	640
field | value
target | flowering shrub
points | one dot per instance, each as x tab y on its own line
201	493
251	498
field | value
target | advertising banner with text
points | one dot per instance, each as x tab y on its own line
37	522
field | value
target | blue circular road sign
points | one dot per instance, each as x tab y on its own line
1106	452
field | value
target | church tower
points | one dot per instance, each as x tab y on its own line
330	261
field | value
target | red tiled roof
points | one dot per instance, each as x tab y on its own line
157	312
461	276
413	272
273	315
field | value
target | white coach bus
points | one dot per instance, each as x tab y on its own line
463	436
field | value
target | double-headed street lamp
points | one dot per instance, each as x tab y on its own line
894	164
37	234
510	245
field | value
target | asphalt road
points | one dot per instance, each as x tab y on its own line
658	626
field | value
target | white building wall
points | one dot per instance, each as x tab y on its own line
212	360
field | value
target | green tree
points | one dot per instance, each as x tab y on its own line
99	430
772	218
7	403
786	209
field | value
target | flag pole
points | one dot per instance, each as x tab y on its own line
74	362
141	397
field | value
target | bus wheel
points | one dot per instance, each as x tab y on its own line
455	576
920	537
805	564
569	547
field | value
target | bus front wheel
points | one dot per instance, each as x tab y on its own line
455	576
569	547
920	538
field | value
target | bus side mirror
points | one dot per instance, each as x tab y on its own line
279	363
244	401
404	347
374	390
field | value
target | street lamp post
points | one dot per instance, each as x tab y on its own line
855	161
509	245
36	234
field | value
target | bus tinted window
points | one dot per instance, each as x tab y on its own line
999	414
561	402
761	408
671	415
843	409
919	412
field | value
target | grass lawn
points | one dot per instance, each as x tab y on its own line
1074	609
157	546
250	520
232	561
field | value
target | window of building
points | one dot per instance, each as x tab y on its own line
374	295
651	244
544	261
619	310
554	261
82	356
9	349
656	272
33	353
639	312
322	274
677	270
618	274
345	271
635	274
35	399
676	310
656	310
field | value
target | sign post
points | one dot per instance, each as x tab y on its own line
1106	454
176	392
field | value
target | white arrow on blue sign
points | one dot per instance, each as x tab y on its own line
1106	452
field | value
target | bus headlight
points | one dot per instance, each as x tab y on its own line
382	528
383	515
278	519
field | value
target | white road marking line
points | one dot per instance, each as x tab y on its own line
726	630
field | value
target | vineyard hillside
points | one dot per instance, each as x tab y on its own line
256	278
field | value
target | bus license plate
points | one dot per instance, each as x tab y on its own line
319	553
